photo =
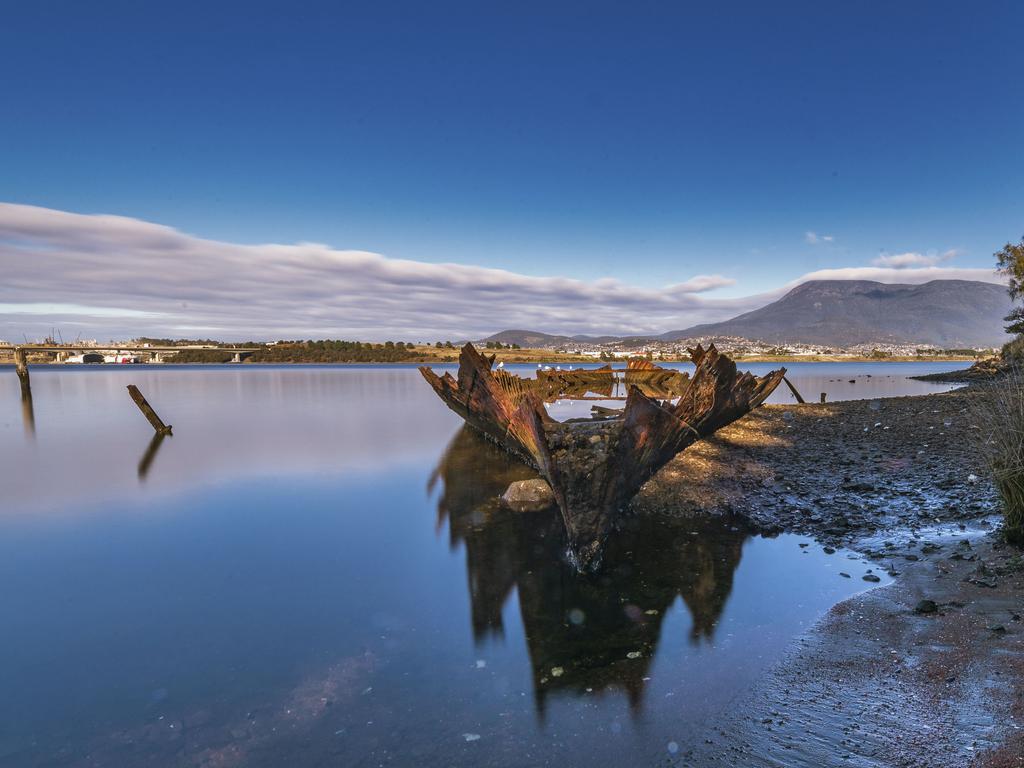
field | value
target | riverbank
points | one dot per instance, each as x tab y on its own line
884	679
547	357
928	671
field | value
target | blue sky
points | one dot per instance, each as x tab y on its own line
643	143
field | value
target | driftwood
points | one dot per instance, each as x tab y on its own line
595	468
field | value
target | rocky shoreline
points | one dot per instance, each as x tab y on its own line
985	370
928	671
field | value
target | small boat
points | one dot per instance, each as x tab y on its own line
120	358
84	358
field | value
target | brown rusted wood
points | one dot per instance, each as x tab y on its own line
21	366
595	482
596	467
491	405
658	382
554	385
147	411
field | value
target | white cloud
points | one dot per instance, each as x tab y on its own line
893	275
112	276
814	238
66	267
41	308
912	259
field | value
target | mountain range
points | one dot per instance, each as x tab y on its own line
843	313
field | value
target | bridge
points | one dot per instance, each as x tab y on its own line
62	351
155	351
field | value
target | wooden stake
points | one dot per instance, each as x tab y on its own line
147	411
793	390
21	366
823	394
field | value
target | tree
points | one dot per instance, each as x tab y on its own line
1010	262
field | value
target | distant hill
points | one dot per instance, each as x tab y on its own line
841	313
533	339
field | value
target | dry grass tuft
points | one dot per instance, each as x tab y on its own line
1000	413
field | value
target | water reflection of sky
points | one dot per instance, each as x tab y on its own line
243	422
314	570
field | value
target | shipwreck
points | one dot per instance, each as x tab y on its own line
596	466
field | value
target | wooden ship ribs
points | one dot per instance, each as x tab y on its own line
596	467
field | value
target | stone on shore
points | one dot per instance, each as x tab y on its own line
528	496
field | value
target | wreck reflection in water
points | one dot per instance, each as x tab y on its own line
271	591
585	632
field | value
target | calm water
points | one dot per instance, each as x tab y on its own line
313	571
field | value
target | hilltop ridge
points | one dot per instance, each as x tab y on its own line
844	313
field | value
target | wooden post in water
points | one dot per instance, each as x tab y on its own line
21	366
147	411
793	390
823	395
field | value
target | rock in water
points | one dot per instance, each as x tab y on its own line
528	496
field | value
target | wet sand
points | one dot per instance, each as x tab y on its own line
884	679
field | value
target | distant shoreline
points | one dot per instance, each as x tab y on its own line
521	360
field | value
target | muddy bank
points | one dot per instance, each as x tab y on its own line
836	471
928	671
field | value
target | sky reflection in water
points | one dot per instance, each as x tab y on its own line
314	568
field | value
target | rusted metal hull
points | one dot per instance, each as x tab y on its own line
595	468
